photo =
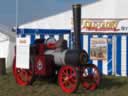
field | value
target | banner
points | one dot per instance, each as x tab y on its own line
22	52
104	25
98	49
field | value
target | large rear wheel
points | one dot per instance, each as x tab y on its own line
68	79
23	77
90	77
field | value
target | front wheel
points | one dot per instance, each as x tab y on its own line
90	77
23	77
68	79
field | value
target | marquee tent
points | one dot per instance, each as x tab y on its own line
7	43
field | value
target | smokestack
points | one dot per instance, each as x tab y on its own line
77	25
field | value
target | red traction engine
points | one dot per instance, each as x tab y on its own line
50	58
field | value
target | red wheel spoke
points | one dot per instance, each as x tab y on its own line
68	79
92	78
72	76
67	72
66	83
71	84
23	77
64	73
73	80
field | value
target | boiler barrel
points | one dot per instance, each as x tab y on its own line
68	57
76	57
58	56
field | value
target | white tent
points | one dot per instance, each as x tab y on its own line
63	20
98	9
105	9
7	44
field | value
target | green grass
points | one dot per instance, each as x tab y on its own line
110	86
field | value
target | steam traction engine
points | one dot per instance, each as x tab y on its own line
49	58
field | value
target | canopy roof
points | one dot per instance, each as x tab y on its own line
43	31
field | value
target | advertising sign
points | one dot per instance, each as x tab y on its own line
22	52
105	25
98	49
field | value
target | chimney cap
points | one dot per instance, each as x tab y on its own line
76	5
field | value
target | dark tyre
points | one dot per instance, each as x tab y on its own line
68	79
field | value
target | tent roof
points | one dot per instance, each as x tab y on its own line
59	21
63	20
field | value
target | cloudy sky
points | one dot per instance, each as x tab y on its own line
30	10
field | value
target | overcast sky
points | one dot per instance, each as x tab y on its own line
30	10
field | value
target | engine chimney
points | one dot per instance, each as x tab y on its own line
77	25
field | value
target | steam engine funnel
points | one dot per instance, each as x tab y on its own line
77	25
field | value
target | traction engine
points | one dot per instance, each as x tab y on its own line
50	58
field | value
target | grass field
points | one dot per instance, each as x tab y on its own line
110	86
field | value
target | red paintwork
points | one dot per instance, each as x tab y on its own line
68	79
92	80
43	64
46	63
40	48
23	77
40	59
51	45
